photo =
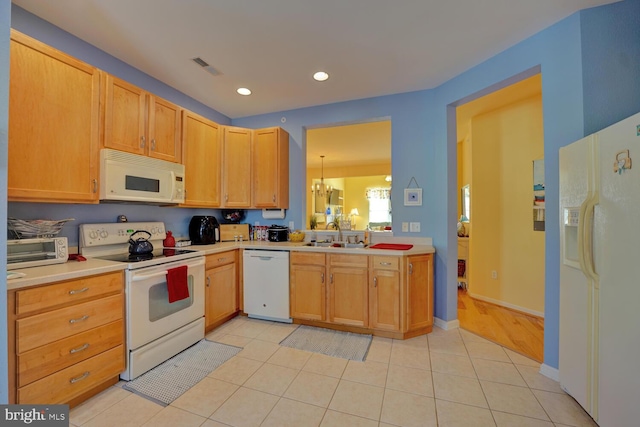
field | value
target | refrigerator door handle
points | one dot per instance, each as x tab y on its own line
581	236
588	240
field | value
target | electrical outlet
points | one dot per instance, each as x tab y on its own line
405	227
292	225
256	224
414	227
494	274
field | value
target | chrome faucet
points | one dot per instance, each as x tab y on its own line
337	227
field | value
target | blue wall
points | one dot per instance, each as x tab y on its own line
423	133
610	63
5	25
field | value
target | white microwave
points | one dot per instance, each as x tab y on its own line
126	177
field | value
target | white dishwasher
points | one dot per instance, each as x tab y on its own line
266	284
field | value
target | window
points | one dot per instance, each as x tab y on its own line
379	205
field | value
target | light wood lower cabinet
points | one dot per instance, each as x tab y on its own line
66	339
348	289
385	295
307	286
221	288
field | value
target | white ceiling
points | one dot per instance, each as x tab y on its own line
369	47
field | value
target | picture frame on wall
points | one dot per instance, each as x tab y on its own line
413	196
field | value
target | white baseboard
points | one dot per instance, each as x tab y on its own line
507	305
550	372
442	324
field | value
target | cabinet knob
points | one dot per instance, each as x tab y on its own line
142	142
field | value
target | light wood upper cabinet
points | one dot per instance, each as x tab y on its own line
271	168
202	157
54	102
138	122
236	166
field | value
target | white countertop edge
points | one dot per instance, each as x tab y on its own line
58	272
77	269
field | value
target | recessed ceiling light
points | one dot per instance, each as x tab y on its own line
243	91
321	76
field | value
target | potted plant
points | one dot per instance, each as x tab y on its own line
313	222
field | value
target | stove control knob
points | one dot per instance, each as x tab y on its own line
93	234
104	234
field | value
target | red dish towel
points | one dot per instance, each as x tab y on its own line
177	284
394	246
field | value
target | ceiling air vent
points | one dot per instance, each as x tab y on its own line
205	65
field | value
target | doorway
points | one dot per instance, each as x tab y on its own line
501	259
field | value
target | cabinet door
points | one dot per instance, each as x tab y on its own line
164	130
348	296
221	296
307	284
419	291
124	120
201	144
54	102
237	168
271	168
384	299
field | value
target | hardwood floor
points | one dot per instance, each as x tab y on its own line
520	332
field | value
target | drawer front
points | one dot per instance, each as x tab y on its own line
349	260
307	258
385	262
64	293
50	358
71	382
222	258
42	329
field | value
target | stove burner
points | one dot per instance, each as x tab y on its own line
156	254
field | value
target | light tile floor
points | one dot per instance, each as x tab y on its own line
447	378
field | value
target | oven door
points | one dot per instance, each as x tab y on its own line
150	315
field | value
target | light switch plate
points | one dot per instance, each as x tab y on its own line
291	225
414	227
405	227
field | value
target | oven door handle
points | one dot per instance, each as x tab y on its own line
140	277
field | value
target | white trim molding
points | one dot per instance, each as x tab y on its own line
442	324
507	305
550	372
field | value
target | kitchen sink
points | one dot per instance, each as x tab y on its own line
336	244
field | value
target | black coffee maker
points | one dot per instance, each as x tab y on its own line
204	230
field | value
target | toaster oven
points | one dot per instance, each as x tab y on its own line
24	253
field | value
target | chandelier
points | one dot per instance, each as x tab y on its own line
321	190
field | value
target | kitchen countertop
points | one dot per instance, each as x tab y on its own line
76	269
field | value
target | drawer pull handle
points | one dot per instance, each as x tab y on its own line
79	349
78	291
322	278
375	281
385	263
222	259
208	281
80	319
410	268
80	378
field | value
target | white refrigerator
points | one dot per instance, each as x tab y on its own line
599	360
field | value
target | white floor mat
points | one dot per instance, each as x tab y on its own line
346	345
167	381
